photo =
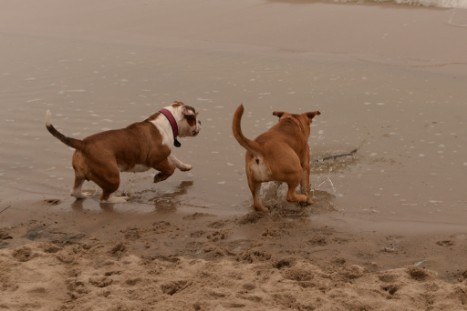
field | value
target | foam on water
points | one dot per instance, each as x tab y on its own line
422	3
435	3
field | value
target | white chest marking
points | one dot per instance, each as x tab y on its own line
166	131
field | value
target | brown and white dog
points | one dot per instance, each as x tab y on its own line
138	147
280	154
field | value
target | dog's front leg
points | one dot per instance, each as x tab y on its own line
305	188
305	183
166	168
179	164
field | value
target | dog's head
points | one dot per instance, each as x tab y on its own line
304	119
187	119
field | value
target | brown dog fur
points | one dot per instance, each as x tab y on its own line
280	154
138	147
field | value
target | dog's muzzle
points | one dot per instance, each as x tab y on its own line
197	129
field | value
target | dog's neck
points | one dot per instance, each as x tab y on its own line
289	120
173	125
165	127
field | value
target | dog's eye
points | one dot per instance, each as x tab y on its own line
191	119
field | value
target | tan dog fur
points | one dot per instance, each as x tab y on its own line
280	154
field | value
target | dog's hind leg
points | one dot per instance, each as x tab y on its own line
255	188
305	188
107	176
109	186
80	168
76	191
292	196
305	182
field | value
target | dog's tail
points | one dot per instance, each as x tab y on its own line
72	142
249	145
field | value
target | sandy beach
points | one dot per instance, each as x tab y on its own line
387	231
174	261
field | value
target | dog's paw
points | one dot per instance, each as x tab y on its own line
261	208
309	201
116	200
79	195
159	177
185	167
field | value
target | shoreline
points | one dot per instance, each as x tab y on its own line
375	246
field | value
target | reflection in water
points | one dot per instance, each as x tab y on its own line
274	197
163	202
280	210
170	201
77	205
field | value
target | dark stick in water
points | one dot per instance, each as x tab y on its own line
340	155
5	209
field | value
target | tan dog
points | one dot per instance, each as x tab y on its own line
140	146
280	154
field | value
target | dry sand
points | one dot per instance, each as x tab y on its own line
173	261
387	231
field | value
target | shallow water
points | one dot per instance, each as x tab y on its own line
408	123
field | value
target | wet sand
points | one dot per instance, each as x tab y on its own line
387	230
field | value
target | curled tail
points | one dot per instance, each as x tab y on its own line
249	145
72	142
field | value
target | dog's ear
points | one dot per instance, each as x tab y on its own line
189	111
313	114
278	114
176	104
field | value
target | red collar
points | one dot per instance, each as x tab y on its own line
173	124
